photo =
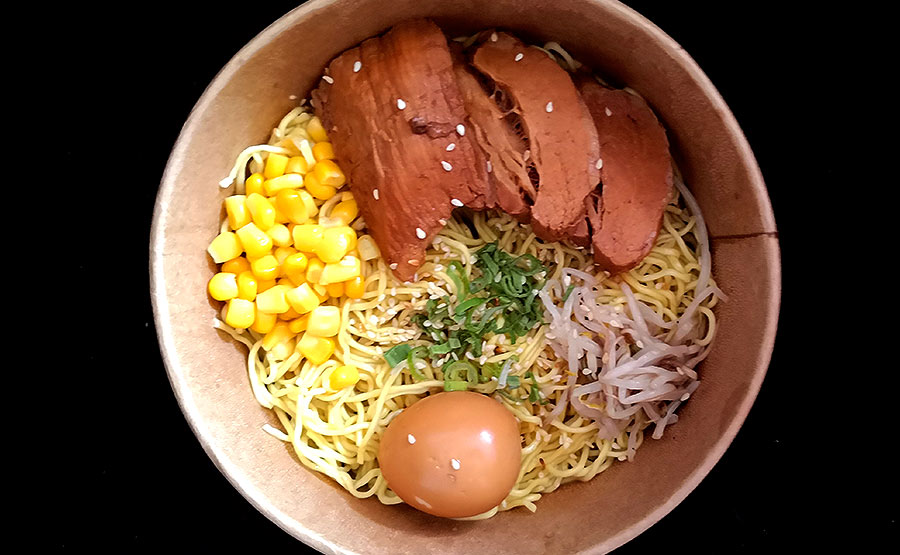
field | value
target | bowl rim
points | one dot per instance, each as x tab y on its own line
184	395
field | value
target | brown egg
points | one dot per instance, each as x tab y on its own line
453	454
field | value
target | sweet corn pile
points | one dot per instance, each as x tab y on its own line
289	253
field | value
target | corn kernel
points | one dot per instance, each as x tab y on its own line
280	332
316	188
291	314
225	247
248	286
265	267
280	235
254	240
321	291
348	268
335	290
316	349
307	237
324	321
290	203
355	288
335	244
298	325
281	254
273	300
236	265
240	313
316	130
343	376
311	207
264	285
302	299
346	211
314	270
296	164
223	286
275	165
261	211
294	267
323	151
283	350
254	184
329	174
236	210
282	182
264	322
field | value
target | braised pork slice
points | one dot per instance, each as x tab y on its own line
548	113
396	119
636	176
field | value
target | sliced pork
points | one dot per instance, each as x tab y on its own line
636	176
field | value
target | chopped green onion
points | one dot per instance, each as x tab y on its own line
396	354
456	386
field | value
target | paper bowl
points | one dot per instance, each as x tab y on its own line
208	371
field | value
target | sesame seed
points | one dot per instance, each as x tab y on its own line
461	129
442	221
451	146
420	233
519	56
393	265
456	202
549	107
375	193
608	112
494	37
401	104
292	97
454	463
413	262
446	165
357	66
410	438
490	167
599	163
327	79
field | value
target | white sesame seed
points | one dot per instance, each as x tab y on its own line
456	202
292	97
413	262
490	167
442	221
375	193
519	56
494	37
446	165
357	66
393	265
401	104
451	146
461	129
599	163
420	233
454	463
608	112
327	79
549	107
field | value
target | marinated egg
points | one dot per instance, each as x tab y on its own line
454	454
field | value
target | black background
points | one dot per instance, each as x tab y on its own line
133	475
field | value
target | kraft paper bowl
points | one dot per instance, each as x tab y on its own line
207	370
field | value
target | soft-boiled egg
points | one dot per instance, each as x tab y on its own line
454	454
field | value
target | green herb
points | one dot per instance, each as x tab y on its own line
396	354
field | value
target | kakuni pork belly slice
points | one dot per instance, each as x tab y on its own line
551	117
636	176
396	119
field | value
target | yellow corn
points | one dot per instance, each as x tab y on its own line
346	211
265	285
265	267
261	211
280	218
290	203
286	181
323	151
321	291
273	300
355	288
302	299
280	235
335	243
294	267
316	349
247	285
254	184
254	240
296	164
236	210
264	322
280	332
328	173
316	188
316	130
283	350
298	325
324	321
275	165
311	207
240	313
223	286
225	247
281	253
314	270
236	265
335	290
342	376
291	314
348	268
307	237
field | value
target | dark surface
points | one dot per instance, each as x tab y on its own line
137	476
